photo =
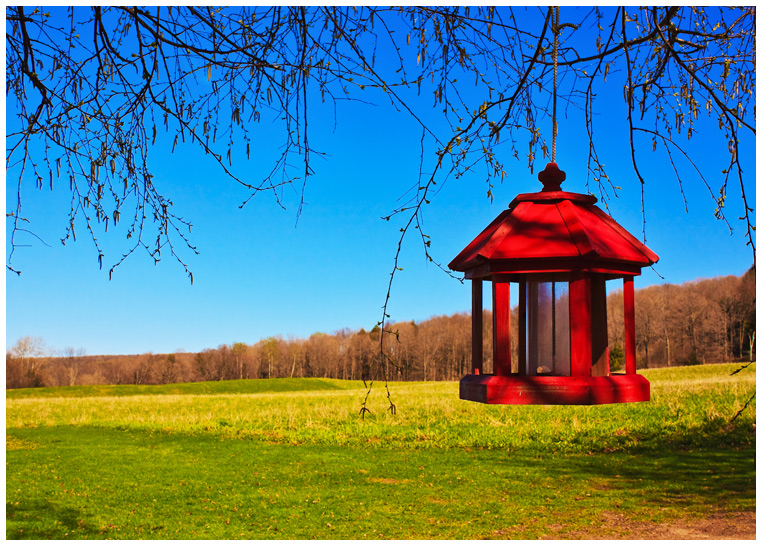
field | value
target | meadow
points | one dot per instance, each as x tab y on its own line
292	459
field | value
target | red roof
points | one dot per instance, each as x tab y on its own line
554	231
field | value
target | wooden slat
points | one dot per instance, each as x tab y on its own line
629	325
501	327
477	349
580	333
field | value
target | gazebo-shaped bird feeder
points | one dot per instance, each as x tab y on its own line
560	249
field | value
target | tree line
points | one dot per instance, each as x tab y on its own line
701	321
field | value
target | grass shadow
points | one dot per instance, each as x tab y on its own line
688	479
183	486
43	520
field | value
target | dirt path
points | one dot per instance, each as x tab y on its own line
720	526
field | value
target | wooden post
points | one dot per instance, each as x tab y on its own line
476	326
501	327
522	327
629	325
580	325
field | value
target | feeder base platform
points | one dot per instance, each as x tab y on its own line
515	389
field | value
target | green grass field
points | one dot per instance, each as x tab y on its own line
291	459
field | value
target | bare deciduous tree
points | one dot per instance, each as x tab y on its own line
239	352
26	361
96	85
167	369
92	88
72	361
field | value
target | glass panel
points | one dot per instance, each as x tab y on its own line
562	358
548	328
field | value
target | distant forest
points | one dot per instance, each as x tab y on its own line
702	321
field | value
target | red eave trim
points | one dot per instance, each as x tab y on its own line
590	264
481	247
471	251
647	253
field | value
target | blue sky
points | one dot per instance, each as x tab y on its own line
260	273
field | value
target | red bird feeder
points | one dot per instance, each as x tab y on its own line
560	249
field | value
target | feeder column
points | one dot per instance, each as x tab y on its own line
629	325
476	326
580	325
501	327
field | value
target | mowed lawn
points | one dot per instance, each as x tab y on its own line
291	459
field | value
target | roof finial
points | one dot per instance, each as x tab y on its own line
551	177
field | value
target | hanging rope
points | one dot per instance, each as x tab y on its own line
556	32
555	19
